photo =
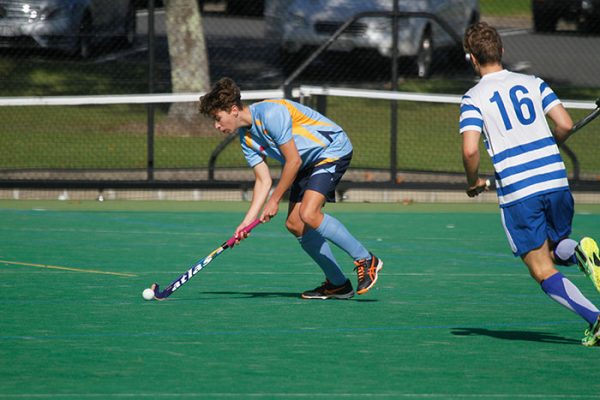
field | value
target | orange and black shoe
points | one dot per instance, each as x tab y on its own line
367	270
329	291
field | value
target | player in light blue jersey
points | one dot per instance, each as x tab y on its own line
315	153
536	205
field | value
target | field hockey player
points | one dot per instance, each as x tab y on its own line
536	204
315	153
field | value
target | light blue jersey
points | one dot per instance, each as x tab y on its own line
276	122
509	109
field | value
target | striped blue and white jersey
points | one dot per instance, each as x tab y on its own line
275	122
509	109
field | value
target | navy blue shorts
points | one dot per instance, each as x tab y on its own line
530	222
323	177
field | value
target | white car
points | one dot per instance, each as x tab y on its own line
306	24
70	25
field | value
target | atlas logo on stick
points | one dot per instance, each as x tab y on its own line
157	294
190	273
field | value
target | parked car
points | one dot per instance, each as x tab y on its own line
307	24
584	13
70	25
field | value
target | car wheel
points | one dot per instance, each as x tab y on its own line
84	39
424	59
589	24
544	21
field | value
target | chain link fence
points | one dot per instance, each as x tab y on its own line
126	47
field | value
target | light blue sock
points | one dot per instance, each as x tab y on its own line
334	231
562	290
564	252
317	247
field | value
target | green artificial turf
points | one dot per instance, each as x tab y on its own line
454	315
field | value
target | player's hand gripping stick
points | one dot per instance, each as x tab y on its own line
477	190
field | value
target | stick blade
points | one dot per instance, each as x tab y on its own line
158	295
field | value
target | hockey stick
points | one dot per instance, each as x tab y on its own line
189	274
589	118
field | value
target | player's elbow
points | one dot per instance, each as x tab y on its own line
294	163
562	130
563	124
262	175
566	125
265	181
470	153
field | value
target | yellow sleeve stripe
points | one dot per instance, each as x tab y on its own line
326	161
297	116
299	119
248	139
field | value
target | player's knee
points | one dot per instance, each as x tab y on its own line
542	272
294	227
310	218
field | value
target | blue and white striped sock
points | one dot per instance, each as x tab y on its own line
318	249
334	231
562	290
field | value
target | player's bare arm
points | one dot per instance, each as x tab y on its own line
288	174
471	159
563	124
262	185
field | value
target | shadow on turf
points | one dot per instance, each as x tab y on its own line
515	335
268	294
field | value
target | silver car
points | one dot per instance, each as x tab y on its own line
70	25
307	24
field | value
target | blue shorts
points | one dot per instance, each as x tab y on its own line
322	178
532	221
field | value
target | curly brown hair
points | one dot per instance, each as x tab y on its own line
223	95
484	42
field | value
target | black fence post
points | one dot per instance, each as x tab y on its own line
150	108
212	162
394	103
321	101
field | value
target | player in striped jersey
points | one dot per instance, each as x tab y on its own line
315	153
536	205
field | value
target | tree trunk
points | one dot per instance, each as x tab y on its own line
188	56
